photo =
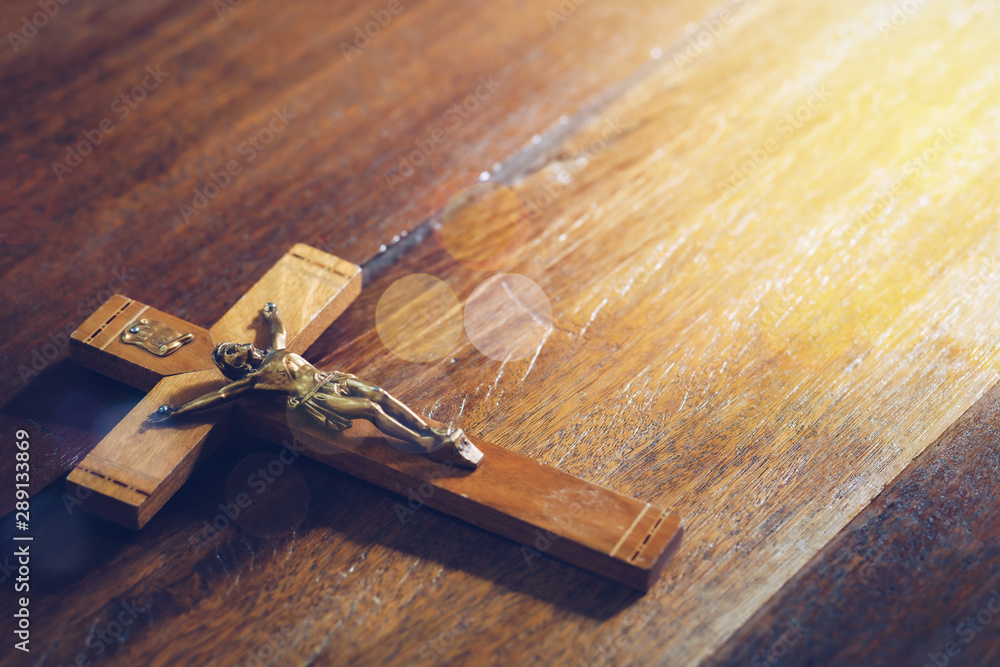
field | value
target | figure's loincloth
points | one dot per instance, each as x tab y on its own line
319	402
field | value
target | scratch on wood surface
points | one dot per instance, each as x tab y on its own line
593	316
627	286
524	308
253	554
568	452
638	376
538	351
318	651
497	378
409	571
290	545
218	555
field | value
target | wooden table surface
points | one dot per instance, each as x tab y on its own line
737	259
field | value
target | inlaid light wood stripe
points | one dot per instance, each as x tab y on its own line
327	267
97	332
652	531
128	321
113	480
628	532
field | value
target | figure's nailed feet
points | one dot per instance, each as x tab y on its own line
456	448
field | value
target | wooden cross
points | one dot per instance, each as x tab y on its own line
135	469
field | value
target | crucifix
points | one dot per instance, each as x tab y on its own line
257	344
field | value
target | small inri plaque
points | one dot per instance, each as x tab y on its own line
155	337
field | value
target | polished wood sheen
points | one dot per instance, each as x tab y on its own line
135	468
312	287
837	610
766	233
97	345
545	510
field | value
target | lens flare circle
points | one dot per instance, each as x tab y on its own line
508	317
419	318
483	226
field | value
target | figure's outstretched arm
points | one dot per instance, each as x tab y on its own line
278	334
228	393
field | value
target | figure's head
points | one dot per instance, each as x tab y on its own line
236	360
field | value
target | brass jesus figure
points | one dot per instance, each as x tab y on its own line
331	399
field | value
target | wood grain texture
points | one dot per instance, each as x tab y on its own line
97	345
855	603
762	357
114	224
544	509
782	363
322	180
311	289
135	469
